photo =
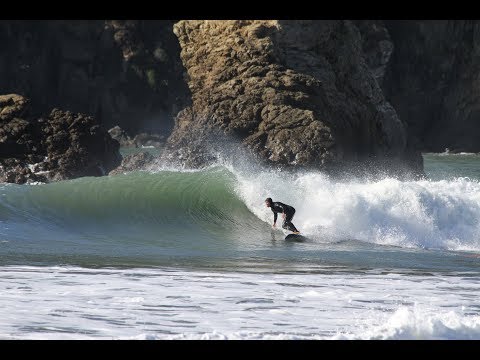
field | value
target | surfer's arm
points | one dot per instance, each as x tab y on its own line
274	218
283	211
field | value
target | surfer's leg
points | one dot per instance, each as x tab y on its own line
292	227
289	226
287	223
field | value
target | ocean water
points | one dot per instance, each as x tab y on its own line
178	254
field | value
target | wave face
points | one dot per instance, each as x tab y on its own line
220	212
138	213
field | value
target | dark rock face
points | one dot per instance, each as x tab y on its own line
377	46
125	73
62	145
431	80
297	93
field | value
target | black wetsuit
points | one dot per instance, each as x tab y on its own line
278	207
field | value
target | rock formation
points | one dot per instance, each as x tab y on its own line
297	93
62	145
134	162
320	94
377	46
122	72
432	81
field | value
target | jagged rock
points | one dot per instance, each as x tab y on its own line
133	162
297	93
62	145
18	172
12	105
18	136
77	146
140	140
121	136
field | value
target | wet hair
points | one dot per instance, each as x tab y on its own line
269	200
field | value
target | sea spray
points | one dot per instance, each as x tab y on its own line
441	214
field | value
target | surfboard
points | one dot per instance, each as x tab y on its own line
295	237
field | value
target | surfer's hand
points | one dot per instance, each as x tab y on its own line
273	225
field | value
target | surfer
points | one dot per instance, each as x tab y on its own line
287	212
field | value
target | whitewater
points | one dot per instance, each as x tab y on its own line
181	254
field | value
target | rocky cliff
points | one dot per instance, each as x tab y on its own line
125	73
324	94
432	81
297	93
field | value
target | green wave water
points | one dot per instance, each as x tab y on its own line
216	218
138	215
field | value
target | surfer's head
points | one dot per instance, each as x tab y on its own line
268	202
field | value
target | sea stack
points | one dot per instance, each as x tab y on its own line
296	93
